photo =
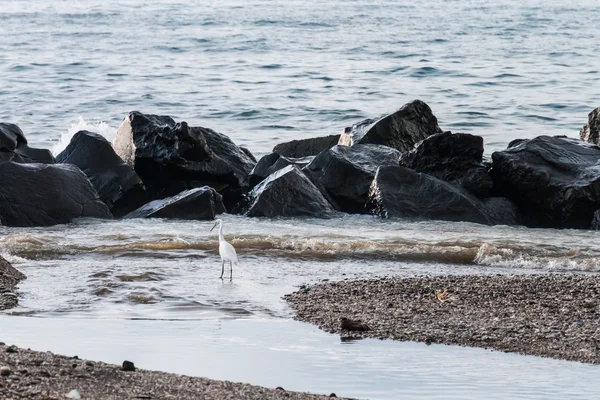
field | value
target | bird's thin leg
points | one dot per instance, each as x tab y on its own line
222	269
230	270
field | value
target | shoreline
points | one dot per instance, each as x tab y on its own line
552	316
45	375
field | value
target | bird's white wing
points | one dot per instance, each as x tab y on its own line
227	252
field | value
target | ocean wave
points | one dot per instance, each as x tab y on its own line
502	253
97	127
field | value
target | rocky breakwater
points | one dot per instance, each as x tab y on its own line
156	168
171	157
9	278
400	165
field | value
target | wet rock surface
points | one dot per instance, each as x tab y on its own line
202	203
285	193
401	130
116	182
9	278
555	181
172	157
399	192
44	375
590	132
14	147
306	147
268	164
455	158
345	173
46	194
545	315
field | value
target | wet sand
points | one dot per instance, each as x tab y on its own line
554	316
43	375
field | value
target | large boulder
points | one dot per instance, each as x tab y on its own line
401	130
117	184
453	157
46	194
345	173
402	192
13	147
287	193
591	131
201	203
306	147
266	166
555	181
172	157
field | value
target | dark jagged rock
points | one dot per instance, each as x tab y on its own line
306	147
266	166
455	158
401	130
46	194
117	184
591	131
248	153
501	211
287	193
402	192
13	147
201	203
596	221
555	181
172	157
346	173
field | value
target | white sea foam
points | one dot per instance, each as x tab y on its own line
100	127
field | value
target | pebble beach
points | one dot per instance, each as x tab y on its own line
543	315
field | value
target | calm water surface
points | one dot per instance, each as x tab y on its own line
265	72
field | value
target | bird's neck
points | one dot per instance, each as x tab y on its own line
221	237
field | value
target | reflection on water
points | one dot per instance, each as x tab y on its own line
296	356
149	290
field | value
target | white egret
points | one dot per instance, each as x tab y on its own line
226	251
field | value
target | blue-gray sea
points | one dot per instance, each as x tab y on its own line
264	72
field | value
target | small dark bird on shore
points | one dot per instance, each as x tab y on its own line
352	325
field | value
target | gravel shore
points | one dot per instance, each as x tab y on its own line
554	316
9	278
38	375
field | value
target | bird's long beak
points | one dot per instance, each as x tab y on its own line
214	226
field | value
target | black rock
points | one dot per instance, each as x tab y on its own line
266	166
591	131
13	147
501	211
306	147
248	153
117	184
596	221
128	366
452	157
286	193
352	325
346	173
201	203
12	349
555	181
46	194
401	130
402	192
172	157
